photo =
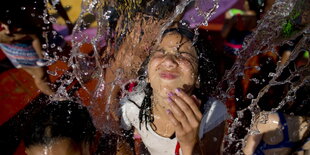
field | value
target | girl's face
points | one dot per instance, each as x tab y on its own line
173	64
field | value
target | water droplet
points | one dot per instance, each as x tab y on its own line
257	68
271	74
44	46
59	49
214	139
249	96
53	45
53	73
255	80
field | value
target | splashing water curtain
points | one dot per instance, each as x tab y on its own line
104	37
273	30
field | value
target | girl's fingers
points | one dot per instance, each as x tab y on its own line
182	112
174	121
179	114
197	101
192	103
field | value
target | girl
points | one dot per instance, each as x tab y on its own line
164	107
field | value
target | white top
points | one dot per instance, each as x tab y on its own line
214	114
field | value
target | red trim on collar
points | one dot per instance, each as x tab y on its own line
177	149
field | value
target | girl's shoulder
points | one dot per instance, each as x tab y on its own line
133	99
130	107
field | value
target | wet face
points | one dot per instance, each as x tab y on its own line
173	64
58	147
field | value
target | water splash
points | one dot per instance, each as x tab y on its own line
271	32
133	32
176	16
206	13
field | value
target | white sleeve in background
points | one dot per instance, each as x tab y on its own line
125	122
130	111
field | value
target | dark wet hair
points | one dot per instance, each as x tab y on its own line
156	8
206	74
59	120
14	17
159	8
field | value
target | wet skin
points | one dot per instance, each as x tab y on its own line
173	64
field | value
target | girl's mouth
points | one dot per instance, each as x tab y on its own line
168	75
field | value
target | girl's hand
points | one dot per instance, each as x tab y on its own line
185	116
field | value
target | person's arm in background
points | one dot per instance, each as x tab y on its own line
36	44
253	139
252	142
228	24
285	56
7	37
263	123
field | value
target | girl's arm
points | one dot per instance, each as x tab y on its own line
36	44
252	140
5	38
228	25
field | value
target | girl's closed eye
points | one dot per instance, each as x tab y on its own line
159	53
179	55
186	56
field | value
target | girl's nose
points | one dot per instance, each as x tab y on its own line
170	61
